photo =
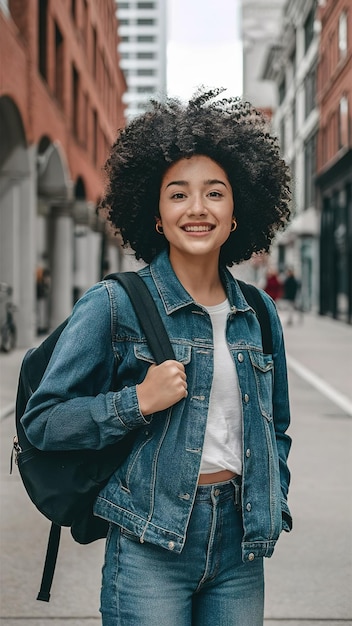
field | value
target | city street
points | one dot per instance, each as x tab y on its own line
309	578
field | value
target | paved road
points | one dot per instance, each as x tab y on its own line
309	578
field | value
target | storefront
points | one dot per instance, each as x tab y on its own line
335	187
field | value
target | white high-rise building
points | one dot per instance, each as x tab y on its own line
261	23
142	48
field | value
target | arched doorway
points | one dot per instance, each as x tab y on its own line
55	198
17	217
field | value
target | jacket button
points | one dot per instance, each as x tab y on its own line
246	397
248	453
240	357
171	545
251	556
249	506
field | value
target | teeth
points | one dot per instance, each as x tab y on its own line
197	229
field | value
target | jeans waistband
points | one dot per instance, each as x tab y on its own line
221	491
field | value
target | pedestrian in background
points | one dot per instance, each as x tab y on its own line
291	288
273	285
43	285
202	496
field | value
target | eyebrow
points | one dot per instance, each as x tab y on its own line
185	183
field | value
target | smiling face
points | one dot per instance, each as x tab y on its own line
196	207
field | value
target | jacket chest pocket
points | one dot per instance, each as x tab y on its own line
263	368
142	352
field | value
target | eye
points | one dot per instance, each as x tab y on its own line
215	194
178	195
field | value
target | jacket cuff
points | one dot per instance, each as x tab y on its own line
126	408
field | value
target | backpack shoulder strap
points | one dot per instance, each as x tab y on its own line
50	562
255	300
147	314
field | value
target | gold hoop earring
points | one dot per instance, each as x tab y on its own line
234	225
159	229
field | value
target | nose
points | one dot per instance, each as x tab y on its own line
197	205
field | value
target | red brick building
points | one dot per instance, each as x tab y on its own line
334	157
61	105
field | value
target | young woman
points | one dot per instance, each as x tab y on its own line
202	497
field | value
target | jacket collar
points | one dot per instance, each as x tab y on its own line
174	295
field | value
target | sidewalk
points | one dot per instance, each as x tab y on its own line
309	579
310	575
319	350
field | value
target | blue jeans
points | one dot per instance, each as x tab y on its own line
206	585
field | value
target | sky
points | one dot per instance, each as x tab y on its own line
204	46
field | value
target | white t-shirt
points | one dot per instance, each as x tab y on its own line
223	437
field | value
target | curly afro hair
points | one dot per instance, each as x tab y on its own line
231	132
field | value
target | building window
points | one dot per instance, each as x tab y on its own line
146	39
145	22
322	74
309	28
146	55
147	89
282	90
85	22
293	61
95	137
75	97
85	119
343	123
282	136
310	88
59	65
294	120
42	36
324	144
94	52
145	72
309	171
74	10
343	35
145	5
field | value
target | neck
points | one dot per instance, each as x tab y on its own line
200	277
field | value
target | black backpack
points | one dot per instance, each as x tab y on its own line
64	485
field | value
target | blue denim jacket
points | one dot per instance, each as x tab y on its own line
152	493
